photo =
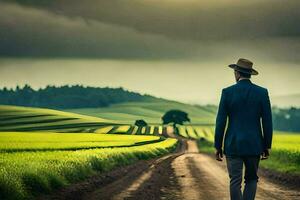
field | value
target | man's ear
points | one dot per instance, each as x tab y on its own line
237	75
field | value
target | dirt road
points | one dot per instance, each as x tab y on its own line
187	174
201	177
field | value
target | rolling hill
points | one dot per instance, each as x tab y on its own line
28	119
113	104
117	118
17	118
150	111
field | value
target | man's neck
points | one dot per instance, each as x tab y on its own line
243	78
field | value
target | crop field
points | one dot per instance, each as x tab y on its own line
22	141
59	148
149	111
196	132
35	119
285	153
64	158
13	118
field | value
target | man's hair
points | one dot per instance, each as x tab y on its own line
244	75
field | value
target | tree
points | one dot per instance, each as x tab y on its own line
175	117
140	123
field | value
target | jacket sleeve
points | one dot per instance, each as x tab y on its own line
266	118
221	122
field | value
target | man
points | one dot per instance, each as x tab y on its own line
249	130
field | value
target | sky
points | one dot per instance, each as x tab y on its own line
168	48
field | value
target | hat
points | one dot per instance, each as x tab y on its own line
245	66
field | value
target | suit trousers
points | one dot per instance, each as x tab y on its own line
235	169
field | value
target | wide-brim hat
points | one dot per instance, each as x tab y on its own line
245	66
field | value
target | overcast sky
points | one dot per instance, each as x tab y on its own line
169	48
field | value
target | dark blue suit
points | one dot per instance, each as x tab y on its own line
247	108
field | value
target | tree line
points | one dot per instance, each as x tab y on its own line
287	119
65	97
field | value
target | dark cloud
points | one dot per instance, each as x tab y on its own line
190	19
32	32
150	29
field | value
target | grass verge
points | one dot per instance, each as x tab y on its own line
25	175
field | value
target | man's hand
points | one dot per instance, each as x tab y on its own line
265	155
219	154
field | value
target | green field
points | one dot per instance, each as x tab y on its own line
14	118
22	141
285	153
196	132
25	173
59	148
151	112
43	149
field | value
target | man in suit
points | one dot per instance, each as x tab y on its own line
249	131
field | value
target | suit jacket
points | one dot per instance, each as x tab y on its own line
248	110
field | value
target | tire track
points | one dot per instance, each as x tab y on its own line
136	183
209	187
130	192
185	178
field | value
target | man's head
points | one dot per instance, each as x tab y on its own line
243	69
240	75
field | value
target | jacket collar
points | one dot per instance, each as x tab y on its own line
244	81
